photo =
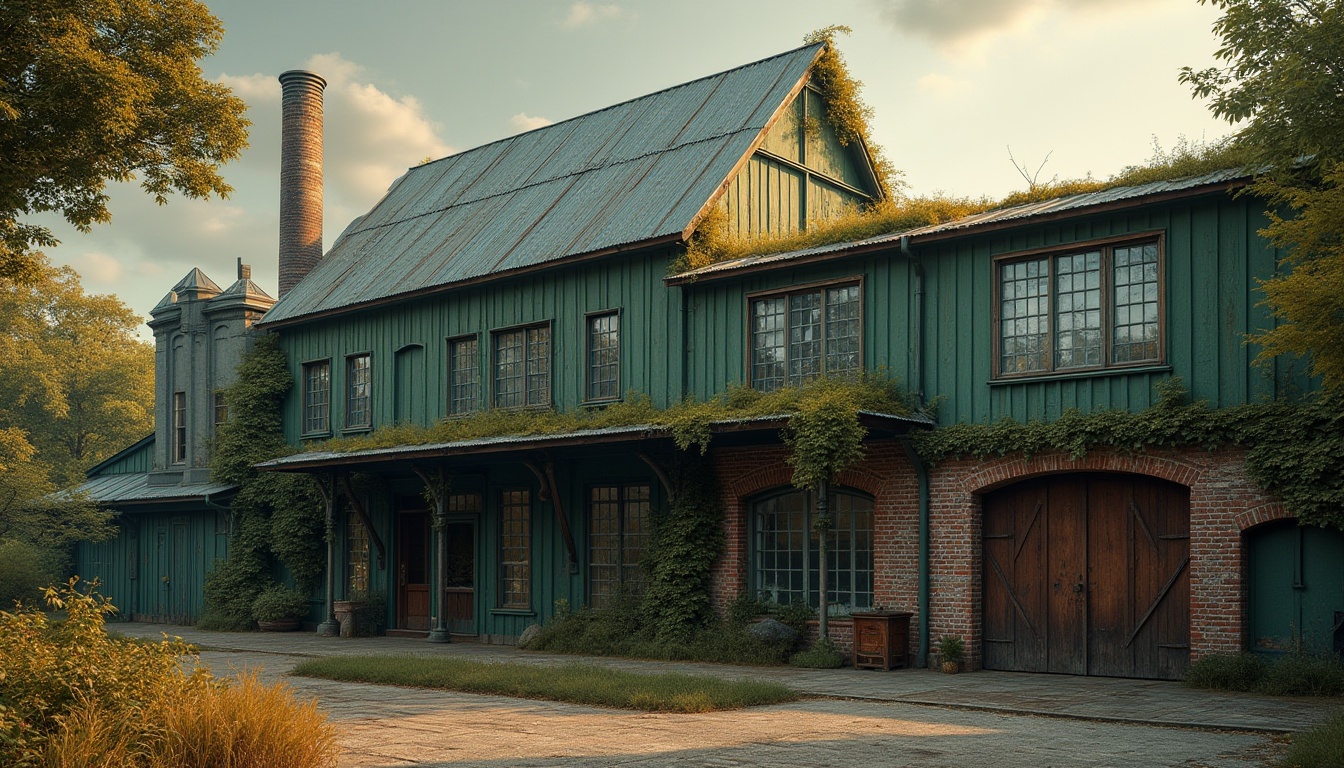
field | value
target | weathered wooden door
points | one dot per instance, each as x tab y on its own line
413	570
460	591
1088	574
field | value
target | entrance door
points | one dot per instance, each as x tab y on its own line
1088	574
460	591
413	570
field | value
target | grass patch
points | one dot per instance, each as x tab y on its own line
1320	747
574	683
1292	675
617	631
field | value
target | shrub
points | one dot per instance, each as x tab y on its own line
1296	674
24	570
1320	747
280	604
822	655
611	632
951	648
75	696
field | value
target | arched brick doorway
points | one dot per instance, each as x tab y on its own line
1088	574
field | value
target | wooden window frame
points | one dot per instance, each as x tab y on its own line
179	427
367	424
588	351
1107	247
550	365
450	343
810	563
307	394
624	538
503	574
855	280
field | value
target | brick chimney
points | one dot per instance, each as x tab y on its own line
300	175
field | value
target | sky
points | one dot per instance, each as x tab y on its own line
960	90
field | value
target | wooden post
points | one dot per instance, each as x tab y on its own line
437	486
329	626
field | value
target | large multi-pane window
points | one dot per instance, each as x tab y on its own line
358	383
515	549
317	397
179	427
604	356
786	551
618	531
357	557
464	375
1092	307
523	367
801	335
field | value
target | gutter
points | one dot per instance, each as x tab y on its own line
921	469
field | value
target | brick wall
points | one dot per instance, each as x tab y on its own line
1223	504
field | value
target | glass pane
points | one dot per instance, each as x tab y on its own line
464	375
1077	321
1023	322
1134	315
767	344
604	364
515	549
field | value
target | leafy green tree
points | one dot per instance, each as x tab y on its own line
74	379
99	90
1284	84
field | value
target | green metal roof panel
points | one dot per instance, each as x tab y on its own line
632	173
135	488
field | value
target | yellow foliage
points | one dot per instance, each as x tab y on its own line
74	696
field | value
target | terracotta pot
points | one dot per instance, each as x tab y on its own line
951	667
283	625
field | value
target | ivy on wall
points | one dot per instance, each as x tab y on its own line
1295	449
685	541
278	517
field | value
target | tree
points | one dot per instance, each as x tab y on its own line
99	90
75	383
1284	82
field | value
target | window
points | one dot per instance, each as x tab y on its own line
357	557
523	367
464	375
604	356
801	335
317	397
1094	307
618	529
515	549
179	427
358	379
785	557
221	410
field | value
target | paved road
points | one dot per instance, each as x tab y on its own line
388	726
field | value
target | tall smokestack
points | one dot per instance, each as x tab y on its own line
300	175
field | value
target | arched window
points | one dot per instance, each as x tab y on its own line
785	562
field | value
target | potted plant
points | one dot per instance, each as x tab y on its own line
950	650
279	609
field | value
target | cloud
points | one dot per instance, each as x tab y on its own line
525	122
944	86
958	21
582	14
371	138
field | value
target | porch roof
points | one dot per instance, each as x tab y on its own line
747	431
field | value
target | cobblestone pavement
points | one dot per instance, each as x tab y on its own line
901	718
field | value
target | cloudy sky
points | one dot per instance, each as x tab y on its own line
955	84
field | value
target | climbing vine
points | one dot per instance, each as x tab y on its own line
277	517
1294	449
684	543
823	430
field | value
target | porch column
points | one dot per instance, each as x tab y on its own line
439	633
329	626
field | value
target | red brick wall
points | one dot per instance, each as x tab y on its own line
1223	503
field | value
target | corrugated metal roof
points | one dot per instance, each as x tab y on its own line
1024	213
135	488
299	461
635	172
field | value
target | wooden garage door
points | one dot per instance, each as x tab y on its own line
1088	575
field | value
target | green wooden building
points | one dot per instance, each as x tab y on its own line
541	272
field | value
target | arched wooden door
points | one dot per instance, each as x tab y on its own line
1088	574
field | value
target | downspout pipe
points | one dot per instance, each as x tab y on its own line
921	469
